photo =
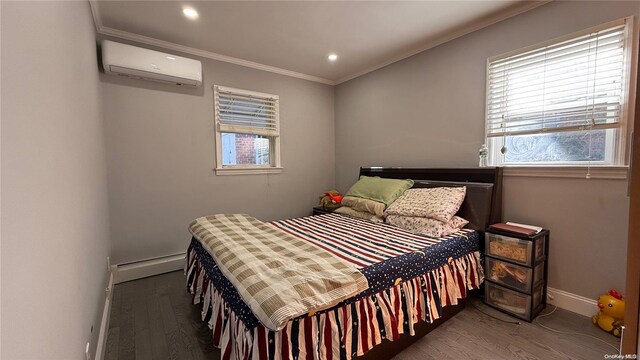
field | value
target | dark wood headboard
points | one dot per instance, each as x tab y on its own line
483	203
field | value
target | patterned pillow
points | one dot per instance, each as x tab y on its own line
345	210
430	227
362	204
436	203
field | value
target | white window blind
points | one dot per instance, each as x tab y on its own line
576	84
246	112
247	130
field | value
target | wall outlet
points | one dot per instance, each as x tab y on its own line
87	353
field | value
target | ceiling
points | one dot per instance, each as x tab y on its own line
295	37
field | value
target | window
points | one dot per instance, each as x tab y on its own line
561	103
247	131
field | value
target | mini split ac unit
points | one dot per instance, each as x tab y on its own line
139	63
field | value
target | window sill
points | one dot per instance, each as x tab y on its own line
248	171
575	172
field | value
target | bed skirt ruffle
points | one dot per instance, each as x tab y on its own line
342	332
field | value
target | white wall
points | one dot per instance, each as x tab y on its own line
55	233
161	156
428	110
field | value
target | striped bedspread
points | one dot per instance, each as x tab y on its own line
361	243
384	254
279	276
411	279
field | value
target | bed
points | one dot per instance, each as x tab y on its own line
415	282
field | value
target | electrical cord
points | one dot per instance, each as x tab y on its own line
537	321
473	303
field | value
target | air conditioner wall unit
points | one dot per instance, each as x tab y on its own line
145	64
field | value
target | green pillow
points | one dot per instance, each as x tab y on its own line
378	189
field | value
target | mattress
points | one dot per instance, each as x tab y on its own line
411	277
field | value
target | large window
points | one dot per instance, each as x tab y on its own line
247	131
562	102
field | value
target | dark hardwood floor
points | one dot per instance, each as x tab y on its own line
153	318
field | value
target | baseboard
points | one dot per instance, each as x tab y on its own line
101	347
146	268
128	272
572	302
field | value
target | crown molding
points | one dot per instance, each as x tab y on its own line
104	30
210	55
477	25
95	12
474	26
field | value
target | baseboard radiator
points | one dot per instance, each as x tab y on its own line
149	267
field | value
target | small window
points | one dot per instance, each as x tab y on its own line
561	103
247	131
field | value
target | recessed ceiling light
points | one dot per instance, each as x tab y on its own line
332	57
171	58
190	13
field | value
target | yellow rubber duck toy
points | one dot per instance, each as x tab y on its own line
611	315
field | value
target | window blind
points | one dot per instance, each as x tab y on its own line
575	84
246	112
